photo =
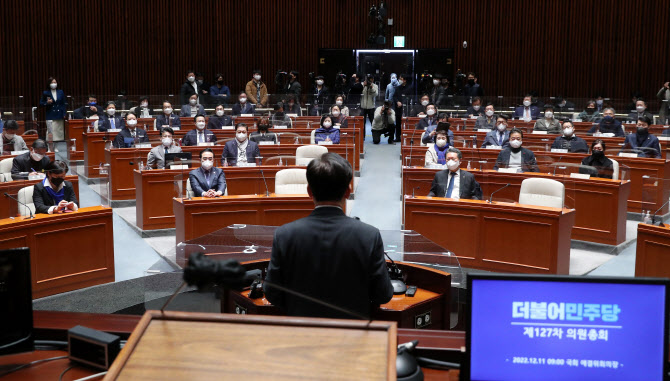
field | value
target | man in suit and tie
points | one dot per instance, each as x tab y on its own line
242	106
208	180
157	154
241	149
110	121
328	255
454	182
199	134
488	120
126	138
528	111
499	136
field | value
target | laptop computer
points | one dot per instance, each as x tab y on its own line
177	158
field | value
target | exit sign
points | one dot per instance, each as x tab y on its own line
398	41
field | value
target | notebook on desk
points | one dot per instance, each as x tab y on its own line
533	327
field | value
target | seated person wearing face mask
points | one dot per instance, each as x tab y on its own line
499	137
431	132
488	120
126	138
420	109
640	111
9	140
241	149
157	154
437	153
327	133
339	119
430	120
608	124
208	180
454	182
90	109
590	113
192	108
642	142
262	135
167	118
291	106
569	140
528	111
242	106
597	165
548	123
516	156
279	118
199	134
30	163
54	195
339	102
110	121
219	119
475	110
143	110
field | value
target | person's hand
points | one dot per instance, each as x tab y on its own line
666	85
328	139
399	104
33	174
204	92
49	100
94	109
70	206
211	193
433	133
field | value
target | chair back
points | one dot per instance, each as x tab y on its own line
615	169
291	181
6	170
25	196
312	137
305	154
542	192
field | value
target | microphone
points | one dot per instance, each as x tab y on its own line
653	217
496	191
414	190
411	145
267	190
399	287
556	166
31	212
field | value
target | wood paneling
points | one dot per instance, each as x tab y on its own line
570	47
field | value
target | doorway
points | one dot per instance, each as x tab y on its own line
382	63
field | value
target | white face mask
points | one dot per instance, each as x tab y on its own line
319	82
526	103
166	141
476	108
453	164
640	109
241	136
257	77
168	111
501	127
568	131
548	114
131	122
193	102
53	86
327	124
515	143
111	111
336	113
243	100
219	112
424	103
489	113
207	164
191	79
339	103
436	82
144	104
599	102
430	112
36	156
441	142
200	125
9	136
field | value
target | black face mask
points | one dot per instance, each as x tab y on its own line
56	181
219	82
471	82
642	131
598	154
590	109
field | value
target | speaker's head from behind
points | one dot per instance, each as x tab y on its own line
328	178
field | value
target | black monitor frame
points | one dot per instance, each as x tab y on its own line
20	293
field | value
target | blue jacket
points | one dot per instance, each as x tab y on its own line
427	122
247	109
191	137
491	139
217	181
528	162
534	112
162	120
230	152
650	147
104	124
219	95
119	140
56	110
322	133
614	127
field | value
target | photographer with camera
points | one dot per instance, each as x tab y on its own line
370	93
383	123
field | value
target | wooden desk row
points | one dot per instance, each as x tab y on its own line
639	170
67	251
9	207
600	204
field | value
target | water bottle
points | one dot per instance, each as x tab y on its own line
280	162
644	216
225	161
469	167
647	218
140	165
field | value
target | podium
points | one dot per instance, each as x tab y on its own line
652	257
201	346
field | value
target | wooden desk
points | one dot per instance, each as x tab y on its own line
67	251
155	190
652	258
199	216
74	129
501	237
9	206
600	204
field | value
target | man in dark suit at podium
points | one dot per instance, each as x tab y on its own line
454	182
328	255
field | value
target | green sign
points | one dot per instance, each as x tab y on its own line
398	41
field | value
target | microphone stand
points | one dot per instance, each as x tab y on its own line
653	217
26	206
411	145
491	197
267	190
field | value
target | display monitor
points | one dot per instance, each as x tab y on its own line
16	302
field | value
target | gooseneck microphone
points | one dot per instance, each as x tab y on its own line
31	212
399	287
556	165
653	217
496	191
411	145
267	190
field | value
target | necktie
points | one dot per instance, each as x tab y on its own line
450	188
201	138
527	113
166	151
500	139
111	121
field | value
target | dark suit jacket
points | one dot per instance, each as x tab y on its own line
268	137
425	122
191	137
468	188
650	147
187	90
217	181
534	112
230	152
24	163
331	257
247	109
119	141
162	120
491	139
104	124
85	112
58	108
186	110
528	163
471	111
573	144
216	122
614	127
43	201
603	168
634	115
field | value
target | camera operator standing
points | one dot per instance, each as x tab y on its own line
383	123
370	93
